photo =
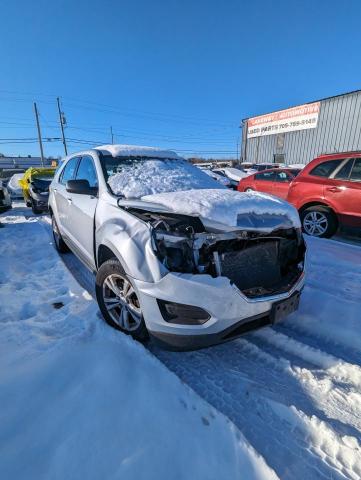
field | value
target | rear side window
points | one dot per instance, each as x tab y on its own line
282	177
344	172
325	169
69	171
86	171
266	176
356	171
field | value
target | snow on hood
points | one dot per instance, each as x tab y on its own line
147	177
227	206
137	151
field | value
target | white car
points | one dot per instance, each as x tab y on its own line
220	178
177	256
15	190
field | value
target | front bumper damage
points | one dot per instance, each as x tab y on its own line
233	275
231	312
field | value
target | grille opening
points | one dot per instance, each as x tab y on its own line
265	267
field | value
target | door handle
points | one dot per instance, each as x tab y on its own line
333	189
55	189
70	200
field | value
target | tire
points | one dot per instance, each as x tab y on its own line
59	243
118	301
248	189
34	208
319	221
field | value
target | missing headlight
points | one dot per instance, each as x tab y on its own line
176	253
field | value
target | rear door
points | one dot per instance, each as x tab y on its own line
264	181
63	198
82	211
281	184
343	191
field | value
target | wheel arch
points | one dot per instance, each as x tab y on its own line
316	204
104	253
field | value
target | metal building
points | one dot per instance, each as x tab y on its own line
22	162
301	133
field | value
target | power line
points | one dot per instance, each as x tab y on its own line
115	109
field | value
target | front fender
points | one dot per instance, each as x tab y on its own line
130	241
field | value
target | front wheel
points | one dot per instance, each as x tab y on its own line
118	300
248	189
319	221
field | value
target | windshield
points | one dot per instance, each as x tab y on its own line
135	177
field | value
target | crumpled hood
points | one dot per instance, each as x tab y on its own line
249	210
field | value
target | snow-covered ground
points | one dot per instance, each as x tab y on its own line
79	400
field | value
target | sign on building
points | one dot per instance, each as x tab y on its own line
297	118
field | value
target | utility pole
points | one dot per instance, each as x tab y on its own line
112	134
39	134
62	122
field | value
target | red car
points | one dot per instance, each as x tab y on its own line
327	193
275	181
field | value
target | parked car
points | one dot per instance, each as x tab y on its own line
327	193
232	174
220	178
259	167
177	255
5	200
35	185
14	187
276	181
7	173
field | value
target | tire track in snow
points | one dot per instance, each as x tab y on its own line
342	453
296	331
240	383
336	368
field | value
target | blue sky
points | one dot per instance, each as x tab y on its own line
179	74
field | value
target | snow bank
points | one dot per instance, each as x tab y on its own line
81	400
141	178
225	206
137	151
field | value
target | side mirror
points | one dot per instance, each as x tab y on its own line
81	187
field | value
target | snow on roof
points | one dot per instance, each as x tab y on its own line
225	206
137	151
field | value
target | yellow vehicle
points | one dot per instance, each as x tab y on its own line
35	185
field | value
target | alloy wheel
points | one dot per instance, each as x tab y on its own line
315	223
121	302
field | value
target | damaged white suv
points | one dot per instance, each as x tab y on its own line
177	256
